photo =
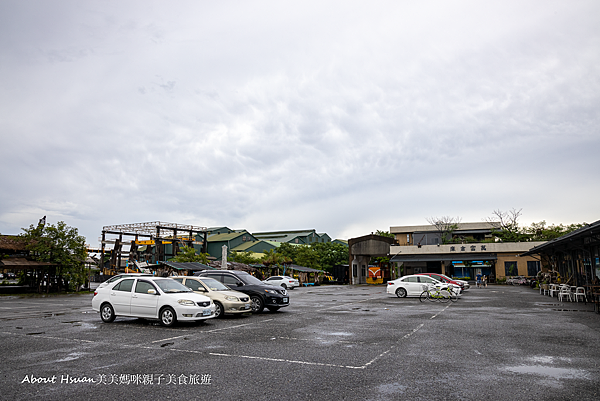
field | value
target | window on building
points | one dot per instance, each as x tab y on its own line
533	267
510	269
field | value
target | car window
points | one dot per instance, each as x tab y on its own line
214	284
412	279
216	276
194	285
250	280
179	279
425	279
230	281
113	279
142	287
171	286
274	278
124	285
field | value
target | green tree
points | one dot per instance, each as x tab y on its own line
385	234
60	245
242	257
330	254
307	256
541	232
288	250
188	254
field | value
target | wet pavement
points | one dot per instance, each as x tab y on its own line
332	342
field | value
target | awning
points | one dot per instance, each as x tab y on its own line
23	264
443	256
304	269
192	266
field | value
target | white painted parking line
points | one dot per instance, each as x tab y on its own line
167	339
288	361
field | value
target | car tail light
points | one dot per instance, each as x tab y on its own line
95	293
390	283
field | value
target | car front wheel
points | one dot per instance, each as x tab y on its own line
401	292
107	313
257	304
167	317
218	309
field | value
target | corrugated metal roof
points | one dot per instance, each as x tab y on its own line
193	266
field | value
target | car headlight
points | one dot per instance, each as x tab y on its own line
233	299
186	302
271	291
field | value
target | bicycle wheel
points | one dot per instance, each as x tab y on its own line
434	296
424	295
453	296
444	296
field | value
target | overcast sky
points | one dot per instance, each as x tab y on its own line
343	116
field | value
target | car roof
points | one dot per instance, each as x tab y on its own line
135	274
236	272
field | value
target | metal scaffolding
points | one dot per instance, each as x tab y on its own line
157	232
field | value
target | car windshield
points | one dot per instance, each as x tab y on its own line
171	286
214	285
250	280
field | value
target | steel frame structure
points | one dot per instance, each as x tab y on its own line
150	230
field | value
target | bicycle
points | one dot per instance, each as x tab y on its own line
435	294
453	294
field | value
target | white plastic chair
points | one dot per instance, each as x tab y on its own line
565	291
554	289
579	292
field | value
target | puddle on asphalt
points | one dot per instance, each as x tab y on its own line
391	389
550	371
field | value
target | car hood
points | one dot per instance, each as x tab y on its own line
186	295
230	293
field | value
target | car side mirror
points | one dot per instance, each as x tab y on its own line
153	292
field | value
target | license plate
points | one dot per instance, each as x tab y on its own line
206	312
246	306
285	300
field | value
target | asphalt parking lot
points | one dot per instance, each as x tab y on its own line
332	342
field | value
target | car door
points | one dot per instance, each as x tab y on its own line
144	304
426	282
120	297
412	286
232	282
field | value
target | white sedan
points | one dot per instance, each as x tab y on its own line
283	281
151	298
412	285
